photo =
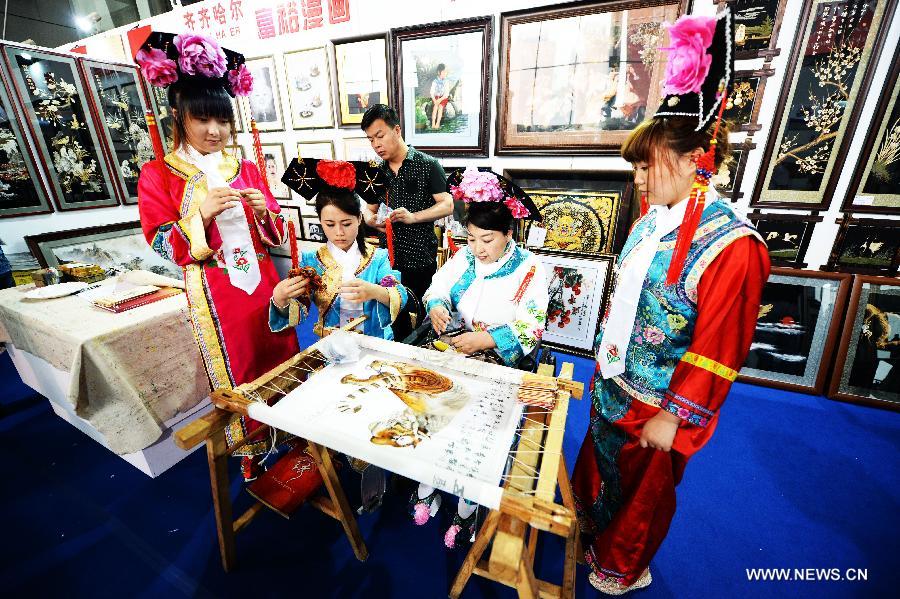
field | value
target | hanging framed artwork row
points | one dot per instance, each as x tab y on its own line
578	287
867	246
442	85
264	102
53	97
745	99
584	96
867	369
308	75
316	149
786	235
875	186
756	24
361	77
728	184
276	163
832	62
799	322
21	190
120	107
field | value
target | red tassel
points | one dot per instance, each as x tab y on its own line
154	136
292	236
258	152
645	204
389	233
451	245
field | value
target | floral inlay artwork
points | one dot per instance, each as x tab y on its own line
20	189
119	101
55	103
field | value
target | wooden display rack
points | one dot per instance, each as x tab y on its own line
527	506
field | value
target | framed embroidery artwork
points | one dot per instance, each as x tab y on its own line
800	318
586	188
362	74
830	65
786	235
745	98
583	96
728	180
866	369
56	109
309	88
756	27
312	229
578	289
265	99
359	148
115	248
866	245
875	186
21	191
316	149
119	101
291	214
273	154
442	82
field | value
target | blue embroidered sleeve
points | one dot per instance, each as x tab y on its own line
508	346
297	313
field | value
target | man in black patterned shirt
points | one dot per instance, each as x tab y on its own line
416	194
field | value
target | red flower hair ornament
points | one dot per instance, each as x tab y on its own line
337	173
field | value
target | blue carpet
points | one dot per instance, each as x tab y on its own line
788	481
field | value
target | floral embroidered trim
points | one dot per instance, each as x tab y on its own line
389	281
507	344
711	365
693	413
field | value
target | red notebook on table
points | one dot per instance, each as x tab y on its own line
120	302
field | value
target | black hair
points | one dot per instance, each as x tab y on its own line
492	216
441	67
198	98
345	201
267	156
379	111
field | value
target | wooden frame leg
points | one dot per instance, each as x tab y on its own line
565	489
217	458
475	552
339	500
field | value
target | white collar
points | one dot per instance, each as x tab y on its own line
484	270
348	259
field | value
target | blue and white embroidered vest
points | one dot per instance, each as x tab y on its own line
664	325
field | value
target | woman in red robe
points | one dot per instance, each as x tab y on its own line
680	322
213	215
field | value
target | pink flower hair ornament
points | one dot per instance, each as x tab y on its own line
159	70
473	185
688	65
200	55
240	80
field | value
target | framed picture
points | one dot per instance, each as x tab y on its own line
830	65
316	149
866	245
787	236
745	98
312	229
875	186
866	369
612	184
578	288
442	83
800	318
728	181
276	163
309	88
119	103
359	148
56	108
291	214
265	99
583	96
115	248
756	27
21	191
362	74
160	101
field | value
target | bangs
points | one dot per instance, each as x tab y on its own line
202	101
644	141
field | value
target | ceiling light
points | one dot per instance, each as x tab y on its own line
87	23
